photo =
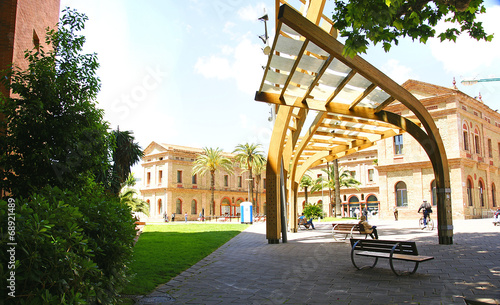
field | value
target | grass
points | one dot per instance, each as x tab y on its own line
164	251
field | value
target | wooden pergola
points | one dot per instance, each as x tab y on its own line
308	79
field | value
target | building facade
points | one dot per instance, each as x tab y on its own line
398	174
170	187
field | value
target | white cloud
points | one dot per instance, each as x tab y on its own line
243	64
251	13
467	54
398	72
214	67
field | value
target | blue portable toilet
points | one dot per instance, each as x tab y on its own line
246	212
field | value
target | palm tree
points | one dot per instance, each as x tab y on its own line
125	154
306	182
345	179
248	155
212	160
129	197
258	169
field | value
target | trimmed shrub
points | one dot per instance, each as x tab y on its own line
71	248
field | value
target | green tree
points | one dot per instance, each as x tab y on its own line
386	21
248	155
313	211
129	197
54	133
125	153
306	182
345	179
212	160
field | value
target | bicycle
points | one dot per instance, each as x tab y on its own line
430	223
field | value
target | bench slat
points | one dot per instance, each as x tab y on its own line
404	257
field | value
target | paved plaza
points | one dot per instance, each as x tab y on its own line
313	268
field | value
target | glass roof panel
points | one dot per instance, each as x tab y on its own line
339	67
302	78
276	78
313	48
346	96
360	82
288	46
281	63
310	63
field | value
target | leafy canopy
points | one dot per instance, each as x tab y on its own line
55	135
386	21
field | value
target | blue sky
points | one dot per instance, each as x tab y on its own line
185	72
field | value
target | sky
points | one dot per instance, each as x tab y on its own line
186	72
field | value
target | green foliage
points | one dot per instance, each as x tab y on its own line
313	211
71	248
125	153
386	21
130	198
55	134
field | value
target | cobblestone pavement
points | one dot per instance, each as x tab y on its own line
313	268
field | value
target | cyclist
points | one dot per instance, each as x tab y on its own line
427	210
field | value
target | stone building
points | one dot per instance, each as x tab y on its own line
398	173
170	187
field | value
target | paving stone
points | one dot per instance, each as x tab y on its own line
312	268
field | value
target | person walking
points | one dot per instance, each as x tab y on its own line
427	209
396	213
186	217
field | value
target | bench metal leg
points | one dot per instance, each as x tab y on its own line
354	263
405	272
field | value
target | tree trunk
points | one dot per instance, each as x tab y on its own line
212	186
337	186
305	190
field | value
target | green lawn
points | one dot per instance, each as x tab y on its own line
164	251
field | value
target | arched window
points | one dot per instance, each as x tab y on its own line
465	130
225	207
193	207
481	193
469	192
354	199
178	206
493	194
401	194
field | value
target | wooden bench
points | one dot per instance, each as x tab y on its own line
390	249
348	229
302	224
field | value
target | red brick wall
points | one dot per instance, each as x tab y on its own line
19	20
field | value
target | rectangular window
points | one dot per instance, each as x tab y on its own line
370	175
226	180
490	149
240	181
160	176
194	179
476	143
466	141
179	176
148	180
398	144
